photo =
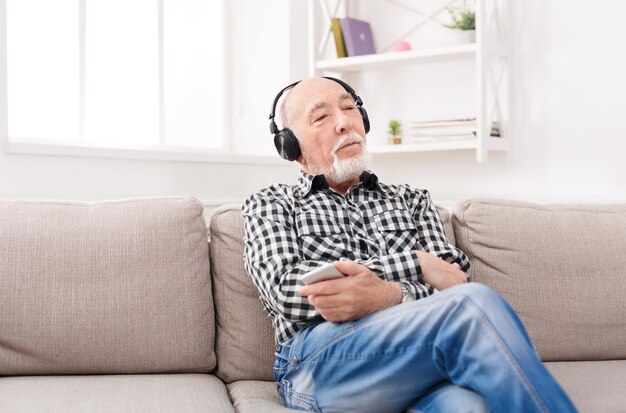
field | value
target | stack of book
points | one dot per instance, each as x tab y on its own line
447	130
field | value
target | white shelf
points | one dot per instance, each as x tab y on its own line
425	147
373	61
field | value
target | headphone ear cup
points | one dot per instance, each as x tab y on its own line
287	145
366	119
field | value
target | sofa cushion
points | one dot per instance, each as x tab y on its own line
562	267
593	386
244	343
104	287
167	393
256	397
445	216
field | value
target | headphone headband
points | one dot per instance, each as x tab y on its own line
274	129
285	140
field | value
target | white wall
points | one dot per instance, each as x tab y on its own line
58	177
567	117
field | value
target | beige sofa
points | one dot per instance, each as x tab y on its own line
123	306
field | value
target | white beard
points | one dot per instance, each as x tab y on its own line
345	170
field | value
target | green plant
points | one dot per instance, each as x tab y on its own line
394	127
463	17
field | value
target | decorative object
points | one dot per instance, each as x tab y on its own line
394	131
401	46
464	19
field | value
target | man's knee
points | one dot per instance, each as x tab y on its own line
478	293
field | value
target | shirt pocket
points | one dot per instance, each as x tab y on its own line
397	230
321	237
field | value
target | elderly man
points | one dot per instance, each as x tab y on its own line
402	330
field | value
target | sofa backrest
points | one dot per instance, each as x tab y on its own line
561	267
244	342
104	287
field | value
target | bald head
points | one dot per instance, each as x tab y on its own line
299	103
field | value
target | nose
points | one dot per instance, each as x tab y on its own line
342	125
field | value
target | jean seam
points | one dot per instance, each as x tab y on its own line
508	354
368	356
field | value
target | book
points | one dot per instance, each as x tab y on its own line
449	127
443	130
444	123
446	138
357	37
335	26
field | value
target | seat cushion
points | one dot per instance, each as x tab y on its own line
245	337
562	267
104	287
256	397
593	386
167	393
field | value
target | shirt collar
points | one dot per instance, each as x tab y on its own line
307	182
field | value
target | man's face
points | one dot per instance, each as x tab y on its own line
327	123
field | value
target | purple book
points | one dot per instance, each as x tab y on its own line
357	36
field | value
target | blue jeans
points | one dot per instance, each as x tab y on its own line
460	350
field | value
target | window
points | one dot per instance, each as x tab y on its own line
116	73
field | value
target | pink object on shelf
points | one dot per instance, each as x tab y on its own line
401	46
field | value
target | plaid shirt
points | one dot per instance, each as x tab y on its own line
291	230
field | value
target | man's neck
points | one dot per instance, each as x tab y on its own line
343	187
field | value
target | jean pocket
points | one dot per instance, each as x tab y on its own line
295	400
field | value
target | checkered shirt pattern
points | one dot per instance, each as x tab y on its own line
291	230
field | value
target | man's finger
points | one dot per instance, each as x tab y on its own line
349	267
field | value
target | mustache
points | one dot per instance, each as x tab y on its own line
347	139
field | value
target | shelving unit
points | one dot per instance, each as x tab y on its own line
490	54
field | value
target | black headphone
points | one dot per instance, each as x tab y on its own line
285	140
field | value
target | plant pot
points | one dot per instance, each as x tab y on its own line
467	36
395	140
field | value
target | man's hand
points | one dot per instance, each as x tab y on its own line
439	273
360	293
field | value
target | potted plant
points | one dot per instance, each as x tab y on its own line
395	132
463	19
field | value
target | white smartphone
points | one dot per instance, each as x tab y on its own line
323	273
